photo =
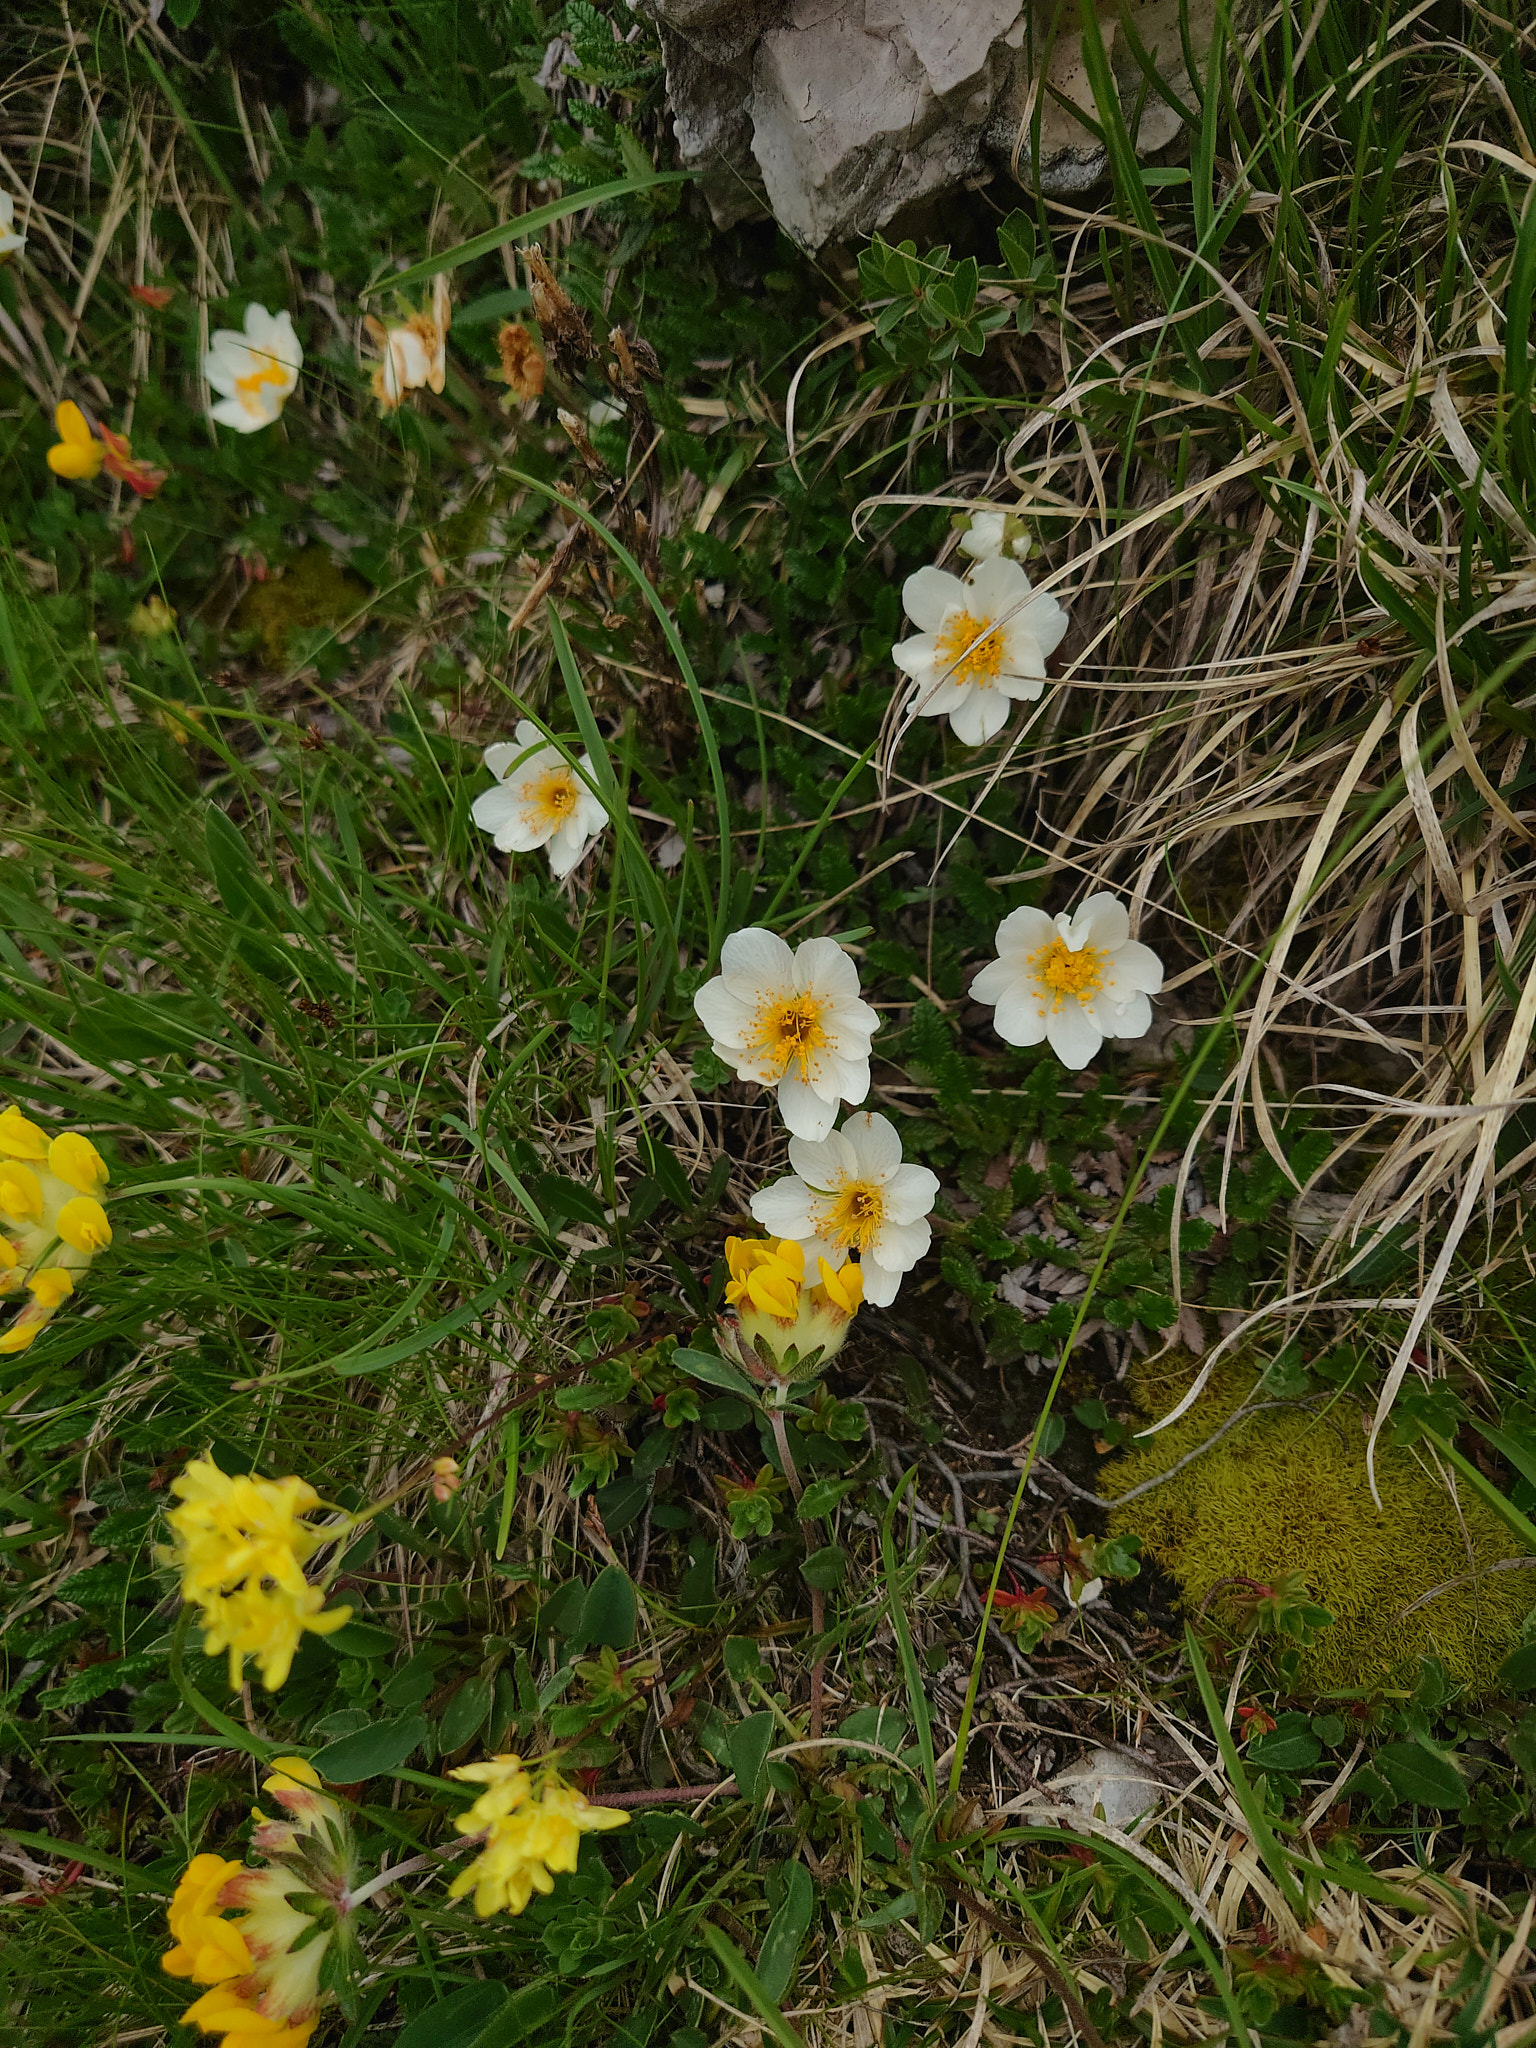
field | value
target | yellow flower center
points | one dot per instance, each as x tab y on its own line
272	371
1065	973
552	800
789	1030
970	650
852	1219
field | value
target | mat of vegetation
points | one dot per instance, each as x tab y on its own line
767	1135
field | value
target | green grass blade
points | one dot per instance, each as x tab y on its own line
1264	1839
529	224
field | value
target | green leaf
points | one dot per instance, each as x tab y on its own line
1518	1671
1420	1776
786	1931
609	1614
743	1660
741	1972
748	1747
454	2021
372	1751
465	1714
183	12
703	1365
1290	1745
825	1569
527	224
362	1639
822	1496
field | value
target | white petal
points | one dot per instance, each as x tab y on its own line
757	962
979	716
1135	967
994	981
1020	1018
940	698
852	1080
804	1112
784	1209
723	1015
1100	920
498	812
1022	688
875	1146
1000	586
1073	1035
820	1163
902	1245
1131	1020
985	536
910	1193
823	966
916	657
566	851
928	595
881	1285
233	412
1024	931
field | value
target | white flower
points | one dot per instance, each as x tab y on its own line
792	1020
539	800
1072	980
981	644
10	241
987	535
255	372
852	1194
414	350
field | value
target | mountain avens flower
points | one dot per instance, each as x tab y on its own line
414	350
539	800
779	1328
52	1223
851	1196
1073	980
255	372
530	1835
791	1019
980	644
994	533
240	1547
263	1969
10	241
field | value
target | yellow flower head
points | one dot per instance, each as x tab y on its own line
207	1948
152	619
77	454
51	1222
240	1547
528	1840
782	1329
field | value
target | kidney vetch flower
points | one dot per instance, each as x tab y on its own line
263	1969
52	1223
791	1019
539	800
779	1328
81	453
851	1195
1073	980
981	644
528	1837
255	372
240	1547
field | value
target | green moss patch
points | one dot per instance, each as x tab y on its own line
1287	1490
311	591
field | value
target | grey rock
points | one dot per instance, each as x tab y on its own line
837	115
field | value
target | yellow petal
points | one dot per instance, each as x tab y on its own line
21	1192
20	1139
83	1226
77	1163
69	423
51	1286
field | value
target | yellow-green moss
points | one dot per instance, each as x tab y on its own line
1286	1490
311	591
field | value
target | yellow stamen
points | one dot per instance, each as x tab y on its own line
970	650
553	799
272	371
1064	972
789	1031
853	1218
